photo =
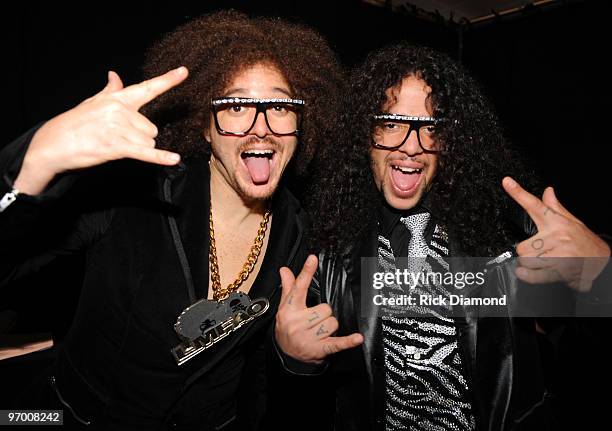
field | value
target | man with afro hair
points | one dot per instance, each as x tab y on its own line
175	190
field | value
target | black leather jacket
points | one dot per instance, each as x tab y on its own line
501	355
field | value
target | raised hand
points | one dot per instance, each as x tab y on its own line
305	333
558	251
104	127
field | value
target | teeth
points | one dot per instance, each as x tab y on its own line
406	170
259	152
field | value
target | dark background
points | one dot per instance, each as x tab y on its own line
544	69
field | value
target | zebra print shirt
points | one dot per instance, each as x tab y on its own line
424	381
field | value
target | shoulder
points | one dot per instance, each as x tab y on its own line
284	201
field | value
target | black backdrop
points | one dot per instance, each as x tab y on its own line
544	69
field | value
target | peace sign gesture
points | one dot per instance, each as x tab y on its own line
305	333
105	127
543	258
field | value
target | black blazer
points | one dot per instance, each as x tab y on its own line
144	231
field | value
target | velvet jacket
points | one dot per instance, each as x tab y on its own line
144	232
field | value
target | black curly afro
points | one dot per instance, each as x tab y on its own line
467	196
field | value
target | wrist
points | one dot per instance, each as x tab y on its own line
297	366
34	175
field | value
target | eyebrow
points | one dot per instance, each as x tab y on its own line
239	91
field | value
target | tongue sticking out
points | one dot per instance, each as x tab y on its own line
259	169
403	181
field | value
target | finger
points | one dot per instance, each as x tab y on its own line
135	136
530	203
140	94
150	155
308	270
538	276
304	319
287	283
302	282
337	344
325	328
142	123
535	245
536	262
317	314
114	83
550	200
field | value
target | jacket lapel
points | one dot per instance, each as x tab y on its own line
191	202
368	323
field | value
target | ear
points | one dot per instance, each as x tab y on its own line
206	134
205	121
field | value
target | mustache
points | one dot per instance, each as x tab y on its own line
254	140
391	158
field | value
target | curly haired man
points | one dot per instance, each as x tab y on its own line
418	181
184	236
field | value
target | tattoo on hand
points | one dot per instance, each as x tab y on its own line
321	330
537	244
315	316
290	299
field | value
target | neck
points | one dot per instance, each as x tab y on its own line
227	204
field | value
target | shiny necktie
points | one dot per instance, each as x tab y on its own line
418	249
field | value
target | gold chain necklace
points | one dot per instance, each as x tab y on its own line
219	293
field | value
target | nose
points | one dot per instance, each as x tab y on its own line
260	128
411	145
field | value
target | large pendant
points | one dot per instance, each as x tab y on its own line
207	322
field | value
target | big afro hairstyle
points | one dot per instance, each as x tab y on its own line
217	47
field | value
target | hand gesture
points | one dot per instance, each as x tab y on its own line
104	127
305	333
558	251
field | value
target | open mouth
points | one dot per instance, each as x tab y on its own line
405	178
258	163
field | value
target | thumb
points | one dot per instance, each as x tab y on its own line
114	83
337	344
550	200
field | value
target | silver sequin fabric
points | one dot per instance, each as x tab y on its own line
425	387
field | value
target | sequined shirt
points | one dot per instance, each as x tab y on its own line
425	384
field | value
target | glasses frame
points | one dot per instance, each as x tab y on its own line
261	105
414	123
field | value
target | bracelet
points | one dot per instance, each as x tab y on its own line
8	199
